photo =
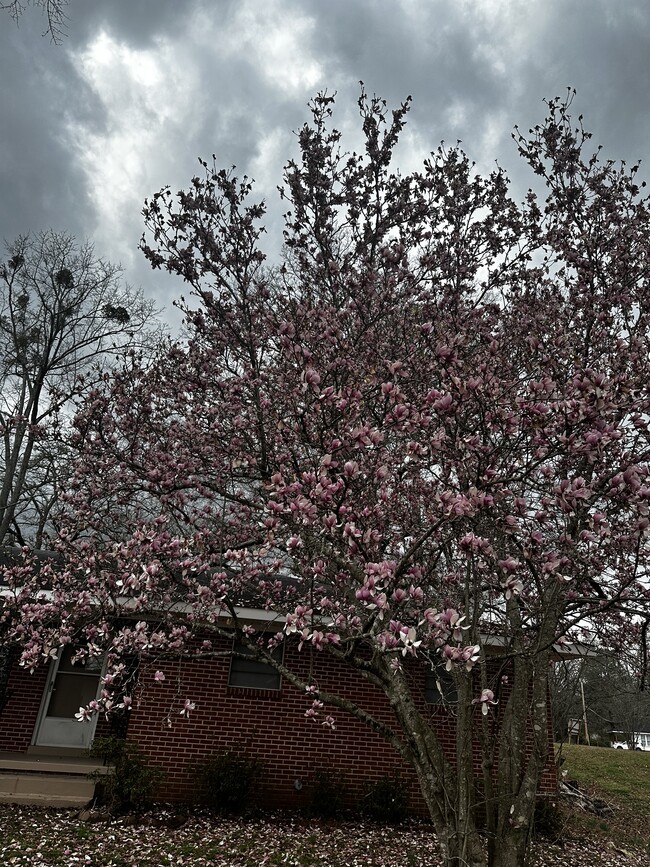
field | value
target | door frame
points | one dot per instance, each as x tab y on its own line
45	701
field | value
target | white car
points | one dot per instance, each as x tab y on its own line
641	742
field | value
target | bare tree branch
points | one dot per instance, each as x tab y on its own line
53	10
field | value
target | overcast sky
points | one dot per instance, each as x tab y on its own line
140	88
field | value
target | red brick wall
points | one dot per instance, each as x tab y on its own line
548	783
267	724
271	726
18	717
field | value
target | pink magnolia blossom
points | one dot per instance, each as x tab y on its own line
486	700
512	587
187	707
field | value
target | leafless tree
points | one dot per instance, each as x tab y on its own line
64	314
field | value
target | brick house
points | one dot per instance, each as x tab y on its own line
240	705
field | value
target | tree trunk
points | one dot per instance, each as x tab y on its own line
450	802
524	747
449	787
460	844
511	849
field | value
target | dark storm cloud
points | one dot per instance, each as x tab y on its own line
603	50
235	83
137	21
499	61
39	90
42	95
45	101
429	51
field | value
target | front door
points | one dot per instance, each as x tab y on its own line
69	687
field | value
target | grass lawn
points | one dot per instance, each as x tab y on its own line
620	778
620	774
58	838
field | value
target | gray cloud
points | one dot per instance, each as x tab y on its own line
138	21
41	186
90	128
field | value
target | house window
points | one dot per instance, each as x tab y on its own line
439	687
251	673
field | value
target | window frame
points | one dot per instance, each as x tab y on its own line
249	669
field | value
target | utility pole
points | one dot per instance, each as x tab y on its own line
584	712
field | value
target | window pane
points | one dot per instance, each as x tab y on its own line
70	692
439	687
94	664
252	673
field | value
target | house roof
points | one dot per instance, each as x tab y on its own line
10	555
255	605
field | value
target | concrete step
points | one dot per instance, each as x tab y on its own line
48	790
49	765
47	780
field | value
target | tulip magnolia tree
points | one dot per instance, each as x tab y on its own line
423	431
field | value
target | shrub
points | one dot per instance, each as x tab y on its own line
225	781
130	783
329	794
386	799
548	818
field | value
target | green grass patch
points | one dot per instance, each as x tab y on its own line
620	778
622	775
